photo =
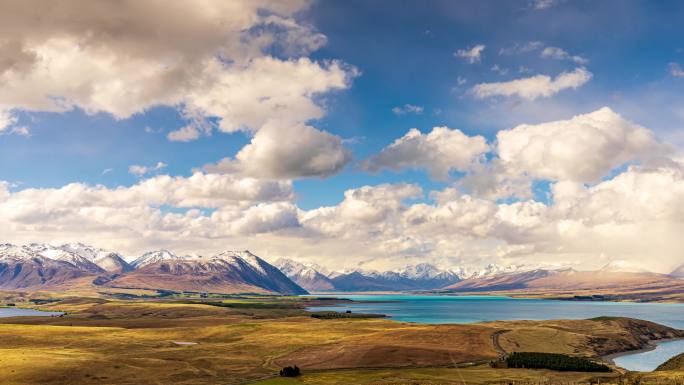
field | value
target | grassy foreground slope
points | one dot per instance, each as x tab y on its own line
245	340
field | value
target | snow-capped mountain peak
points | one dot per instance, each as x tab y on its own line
154	257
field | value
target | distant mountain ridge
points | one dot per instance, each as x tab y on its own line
568	279
678	272
42	266
423	276
307	276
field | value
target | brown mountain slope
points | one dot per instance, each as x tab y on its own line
568	279
572	284
37	273
219	274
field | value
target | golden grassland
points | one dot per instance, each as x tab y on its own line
247	339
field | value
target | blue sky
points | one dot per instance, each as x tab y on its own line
402	70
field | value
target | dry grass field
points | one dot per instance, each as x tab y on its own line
246	340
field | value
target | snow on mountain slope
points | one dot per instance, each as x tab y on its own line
305	275
227	272
423	276
154	257
113	263
22	267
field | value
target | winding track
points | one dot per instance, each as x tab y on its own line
496	344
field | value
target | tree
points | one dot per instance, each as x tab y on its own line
290	371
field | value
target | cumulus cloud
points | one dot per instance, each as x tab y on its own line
209	206
139	171
561	54
104	66
440	151
408	109
583	149
598	209
633	216
471	55
532	88
267	89
237	65
292	151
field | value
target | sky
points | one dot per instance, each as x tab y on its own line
348	133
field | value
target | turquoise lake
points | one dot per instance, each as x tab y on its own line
433	309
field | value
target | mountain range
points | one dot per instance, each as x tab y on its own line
45	267
38	266
423	276
678	272
611	279
614	275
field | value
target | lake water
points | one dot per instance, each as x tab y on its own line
648	361
469	309
17	312
436	309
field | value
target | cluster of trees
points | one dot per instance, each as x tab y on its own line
290	371
347	314
553	361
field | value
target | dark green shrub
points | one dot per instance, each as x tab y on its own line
553	361
290	371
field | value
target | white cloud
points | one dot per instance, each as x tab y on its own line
7	119
267	89
102	66
290	151
151	130
521	48
675	70
212	62
583	149
440	151
635	216
186	133
543	4
139	171
499	70
534	87
20	130
471	55
408	109
561	54
546	52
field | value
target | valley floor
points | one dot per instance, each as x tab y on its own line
246	340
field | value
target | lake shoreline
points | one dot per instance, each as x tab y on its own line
622	298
